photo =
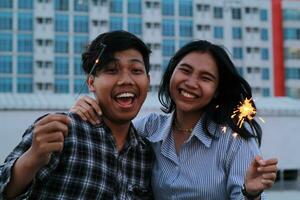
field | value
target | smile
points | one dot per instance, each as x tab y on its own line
187	94
125	99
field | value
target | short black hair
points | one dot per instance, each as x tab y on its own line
232	89
115	41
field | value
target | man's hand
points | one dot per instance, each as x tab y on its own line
260	175
48	137
88	109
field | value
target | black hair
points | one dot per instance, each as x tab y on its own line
114	41
232	90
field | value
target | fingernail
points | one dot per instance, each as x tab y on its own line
99	113
259	169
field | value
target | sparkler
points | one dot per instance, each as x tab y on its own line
244	111
102	47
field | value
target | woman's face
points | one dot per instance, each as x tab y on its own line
194	82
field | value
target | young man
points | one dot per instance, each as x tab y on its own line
64	157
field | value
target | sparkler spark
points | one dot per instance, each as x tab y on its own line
244	111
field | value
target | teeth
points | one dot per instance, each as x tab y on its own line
124	95
186	94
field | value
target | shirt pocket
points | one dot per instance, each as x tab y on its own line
138	192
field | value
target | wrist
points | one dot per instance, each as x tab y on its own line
250	195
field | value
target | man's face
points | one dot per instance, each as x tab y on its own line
121	86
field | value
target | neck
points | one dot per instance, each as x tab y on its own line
187	120
119	132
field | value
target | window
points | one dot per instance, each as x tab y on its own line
291	14
292	53
25	65
185	8
5	84
61	85
218	12
116	23
134	6
25	4
25	21
61	66
292	33
80	86
266	92
6	20
81	24
237	52
264	34
236	13
25	43
61	23
5	64
6	3
116	6
218	32
265	54
24	85
265	73
135	25
5	42
167	7
292	73
237	33
263	15
61	5
80	5
61	44
183	42
168	47
186	28
80	43
168	27
78	70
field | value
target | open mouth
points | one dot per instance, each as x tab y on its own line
125	99
187	94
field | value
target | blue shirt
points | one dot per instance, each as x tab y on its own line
205	168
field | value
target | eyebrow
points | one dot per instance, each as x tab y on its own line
205	72
130	60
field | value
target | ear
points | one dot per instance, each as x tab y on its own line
90	82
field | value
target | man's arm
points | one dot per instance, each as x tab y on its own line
48	137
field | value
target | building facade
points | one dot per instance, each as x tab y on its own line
41	41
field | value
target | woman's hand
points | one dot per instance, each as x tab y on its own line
260	175
88	109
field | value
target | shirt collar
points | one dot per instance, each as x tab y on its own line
134	138
198	131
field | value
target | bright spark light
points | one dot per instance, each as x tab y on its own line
261	119
234	134
244	111
224	129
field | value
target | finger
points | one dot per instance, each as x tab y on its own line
53	147
54	117
267	169
95	105
270	176
90	112
52	126
78	112
49	138
272	161
267	183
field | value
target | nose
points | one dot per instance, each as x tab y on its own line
192	82
125	78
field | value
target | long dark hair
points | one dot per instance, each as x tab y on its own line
232	90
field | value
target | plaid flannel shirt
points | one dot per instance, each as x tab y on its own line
89	167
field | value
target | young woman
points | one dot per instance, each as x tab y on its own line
201	151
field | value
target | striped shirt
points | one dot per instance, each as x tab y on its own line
89	167
204	169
